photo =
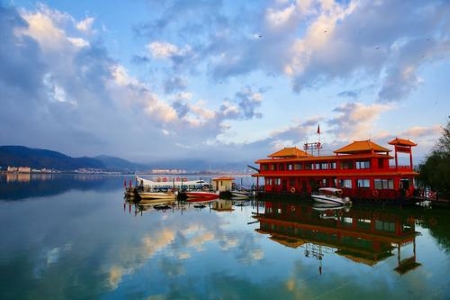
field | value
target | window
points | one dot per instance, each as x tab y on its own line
273	167
321	166
290	167
364	183
346	183
281	167
264	167
365	164
298	166
384	184
346	165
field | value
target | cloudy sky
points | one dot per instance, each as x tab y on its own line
226	80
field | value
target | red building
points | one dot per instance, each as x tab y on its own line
364	170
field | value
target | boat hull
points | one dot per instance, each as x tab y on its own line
157	195
200	195
329	200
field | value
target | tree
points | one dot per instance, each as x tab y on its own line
435	170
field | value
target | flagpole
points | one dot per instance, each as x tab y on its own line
319	145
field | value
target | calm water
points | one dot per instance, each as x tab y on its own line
66	237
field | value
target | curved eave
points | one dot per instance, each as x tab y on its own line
402	142
324	158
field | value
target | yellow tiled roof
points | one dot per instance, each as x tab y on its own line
362	146
402	142
289	152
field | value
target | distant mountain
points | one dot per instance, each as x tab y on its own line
115	163
20	156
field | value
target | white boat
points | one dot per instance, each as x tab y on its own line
330	195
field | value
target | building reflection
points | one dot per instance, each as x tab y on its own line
223	205
364	235
21	177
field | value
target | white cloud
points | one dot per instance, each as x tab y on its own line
357	120
42	27
166	50
281	17
78	42
85	25
212	70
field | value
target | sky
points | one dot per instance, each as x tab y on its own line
230	81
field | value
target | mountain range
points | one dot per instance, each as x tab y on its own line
21	156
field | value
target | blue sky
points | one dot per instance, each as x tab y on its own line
221	80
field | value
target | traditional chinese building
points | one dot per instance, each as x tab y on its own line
364	170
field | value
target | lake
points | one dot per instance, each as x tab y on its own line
76	237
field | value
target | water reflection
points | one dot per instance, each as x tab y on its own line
23	186
361	235
93	244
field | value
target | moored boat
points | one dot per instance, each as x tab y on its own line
331	196
157	195
201	195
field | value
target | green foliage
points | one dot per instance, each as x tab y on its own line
435	170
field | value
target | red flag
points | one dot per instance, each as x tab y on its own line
318	129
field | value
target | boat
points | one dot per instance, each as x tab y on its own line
365	171
201	195
170	195
330	195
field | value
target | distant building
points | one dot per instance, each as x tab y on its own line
24	170
167	171
11	169
18	169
